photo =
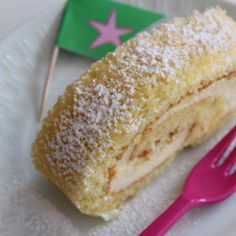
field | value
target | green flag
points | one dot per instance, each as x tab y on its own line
94	27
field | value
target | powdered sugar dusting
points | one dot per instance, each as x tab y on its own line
30	214
95	110
27	209
102	107
116	96
174	45
32	209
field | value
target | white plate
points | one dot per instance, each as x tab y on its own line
29	203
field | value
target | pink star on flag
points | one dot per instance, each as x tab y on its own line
108	33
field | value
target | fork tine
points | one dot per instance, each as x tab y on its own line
231	159
218	150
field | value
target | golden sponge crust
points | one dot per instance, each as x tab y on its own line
121	94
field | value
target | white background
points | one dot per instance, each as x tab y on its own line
15	12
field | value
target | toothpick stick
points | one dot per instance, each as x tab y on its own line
48	80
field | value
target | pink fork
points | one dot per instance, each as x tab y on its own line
207	183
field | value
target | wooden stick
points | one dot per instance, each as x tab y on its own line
48	80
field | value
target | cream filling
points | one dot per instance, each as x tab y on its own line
127	172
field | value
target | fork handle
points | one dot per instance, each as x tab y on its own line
168	218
